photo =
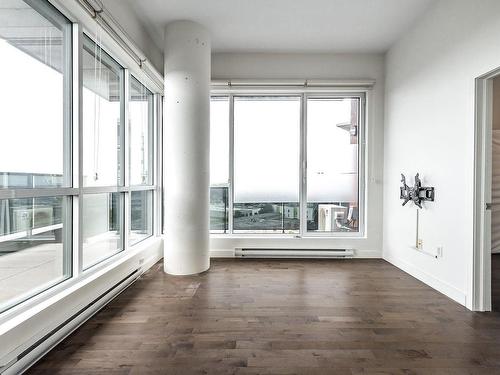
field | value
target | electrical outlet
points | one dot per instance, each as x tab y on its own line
440	251
420	243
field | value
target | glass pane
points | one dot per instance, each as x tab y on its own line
219	209
266	163
33	252
34	70
141	211
101	227
219	141
141	124
332	165
102	94
219	164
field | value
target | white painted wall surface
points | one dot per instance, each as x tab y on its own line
134	28
429	128
317	66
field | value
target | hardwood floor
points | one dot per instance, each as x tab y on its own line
281	317
495	282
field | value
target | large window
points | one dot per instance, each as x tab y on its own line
277	171
35	74
74	179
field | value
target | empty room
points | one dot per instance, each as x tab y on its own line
250	187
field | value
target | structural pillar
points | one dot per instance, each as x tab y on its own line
186	148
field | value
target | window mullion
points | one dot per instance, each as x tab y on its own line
126	156
231	164
303	167
77	143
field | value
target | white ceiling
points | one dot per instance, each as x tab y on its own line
287	25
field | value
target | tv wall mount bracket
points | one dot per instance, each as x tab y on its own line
416	193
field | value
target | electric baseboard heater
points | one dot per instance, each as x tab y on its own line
241	252
31	355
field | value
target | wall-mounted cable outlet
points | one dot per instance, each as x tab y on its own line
439	251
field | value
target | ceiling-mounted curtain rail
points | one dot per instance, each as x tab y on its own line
293	83
105	19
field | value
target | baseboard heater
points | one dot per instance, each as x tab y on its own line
35	352
293	253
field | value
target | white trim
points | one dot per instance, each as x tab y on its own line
221	253
435	283
480	282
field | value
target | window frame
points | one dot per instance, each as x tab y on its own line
231	173
152	160
73	190
361	93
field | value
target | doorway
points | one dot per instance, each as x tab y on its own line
495	195
486	263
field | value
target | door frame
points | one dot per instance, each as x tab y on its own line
481	273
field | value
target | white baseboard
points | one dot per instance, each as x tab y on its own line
435	283
368	254
221	253
153	258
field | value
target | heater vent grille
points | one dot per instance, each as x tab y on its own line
293	253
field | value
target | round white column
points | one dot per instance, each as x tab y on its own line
186	148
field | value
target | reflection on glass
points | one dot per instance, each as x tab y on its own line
102	85
32	247
141	215
266	164
332	164
141	120
33	75
219	209
101	227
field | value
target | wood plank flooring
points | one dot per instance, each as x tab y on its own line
495	282
281	317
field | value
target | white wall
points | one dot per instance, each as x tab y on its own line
348	66
429	128
135	30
